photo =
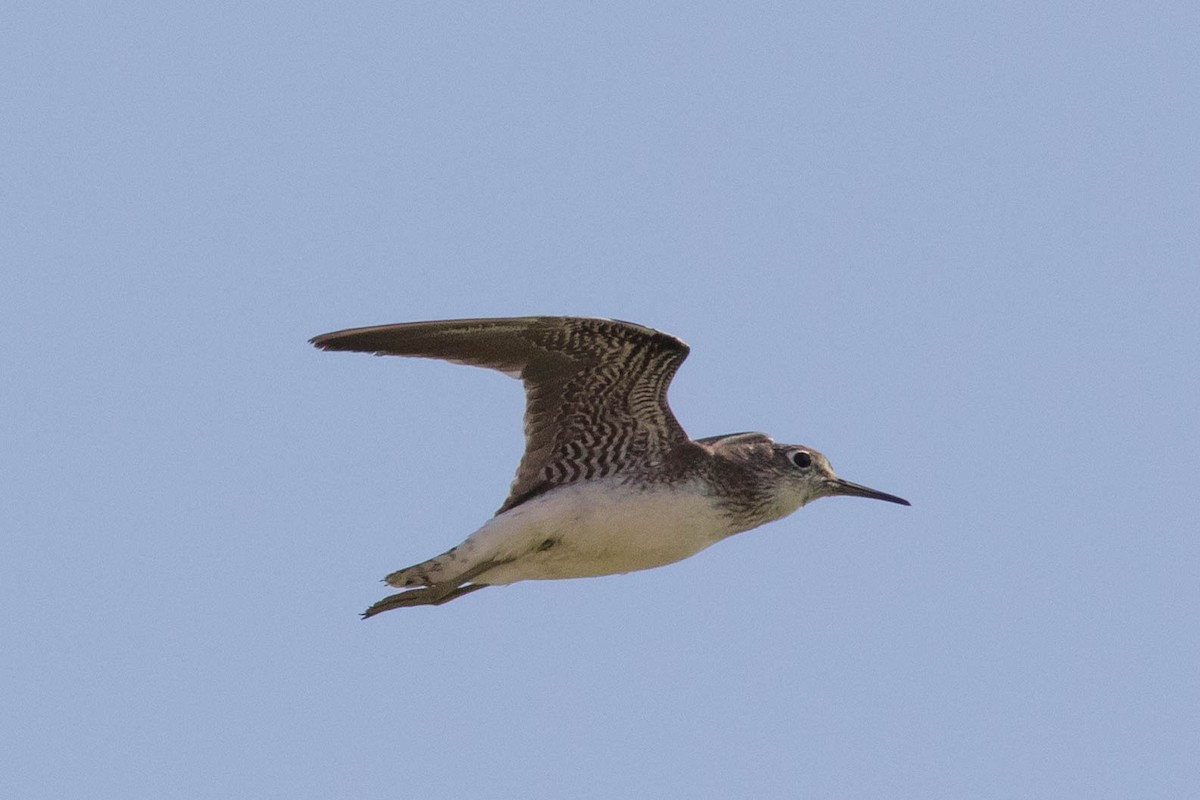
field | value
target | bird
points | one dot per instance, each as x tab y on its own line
609	481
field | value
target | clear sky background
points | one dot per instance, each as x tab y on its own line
956	247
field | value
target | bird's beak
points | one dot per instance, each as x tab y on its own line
839	486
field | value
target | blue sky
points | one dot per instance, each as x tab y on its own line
953	246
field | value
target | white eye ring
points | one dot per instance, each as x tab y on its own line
801	459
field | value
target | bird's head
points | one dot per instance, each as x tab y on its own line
806	475
791	474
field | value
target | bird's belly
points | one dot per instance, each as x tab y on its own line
599	528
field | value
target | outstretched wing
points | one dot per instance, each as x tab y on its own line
595	389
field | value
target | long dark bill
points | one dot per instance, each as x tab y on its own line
839	486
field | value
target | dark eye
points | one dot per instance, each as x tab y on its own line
801	459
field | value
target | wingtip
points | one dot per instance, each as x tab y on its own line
328	342
321	341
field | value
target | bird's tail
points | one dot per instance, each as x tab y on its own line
441	579
439	569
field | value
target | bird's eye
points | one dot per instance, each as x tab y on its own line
801	459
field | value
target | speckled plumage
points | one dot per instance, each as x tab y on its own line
609	481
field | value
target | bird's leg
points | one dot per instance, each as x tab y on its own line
429	596
433	595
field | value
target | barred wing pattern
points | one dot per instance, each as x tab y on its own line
596	389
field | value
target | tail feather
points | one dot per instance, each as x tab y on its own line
438	569
434	592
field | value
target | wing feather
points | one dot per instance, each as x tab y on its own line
595	389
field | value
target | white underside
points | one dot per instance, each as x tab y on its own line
596	528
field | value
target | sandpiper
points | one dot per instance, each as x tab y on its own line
609	481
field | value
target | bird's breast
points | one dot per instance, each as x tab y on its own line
601	528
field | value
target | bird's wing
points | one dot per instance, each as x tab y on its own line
595	389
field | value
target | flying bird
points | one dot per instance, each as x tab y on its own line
609	481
